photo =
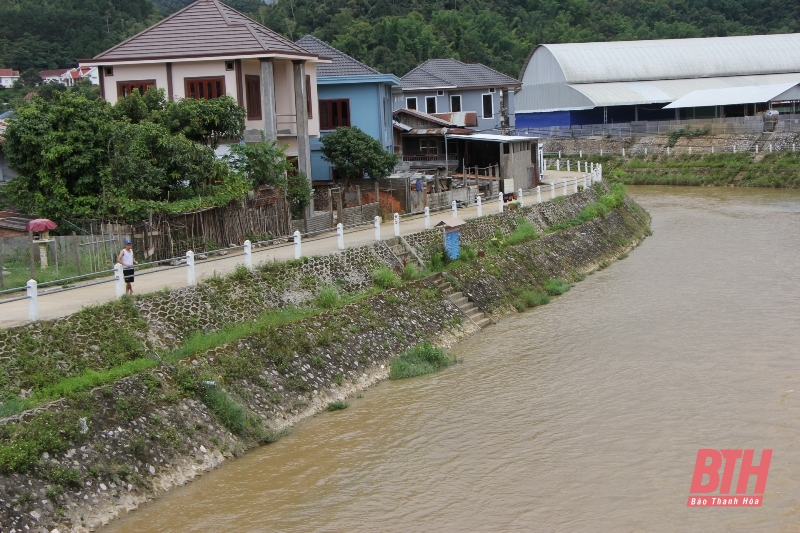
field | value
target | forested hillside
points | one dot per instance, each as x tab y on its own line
394	35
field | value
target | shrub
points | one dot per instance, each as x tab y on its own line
420	360
468	253
524	232
555	287
385	278
338	405
328	297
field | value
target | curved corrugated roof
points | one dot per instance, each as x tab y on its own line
663	59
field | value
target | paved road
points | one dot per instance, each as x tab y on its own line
64	302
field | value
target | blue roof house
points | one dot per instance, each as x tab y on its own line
350	94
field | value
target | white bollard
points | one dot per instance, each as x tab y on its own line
559	154
734	148
712	148
576	185
248	254
298	245
568	165
519	197
667	150
552	190
793	147
580	154
33	300
480	207
119	280
558	165
190	278
396	219
340	235
770	147
538	194
601	152
377	223
645	150
690	150
428	217
454	208
500	203
623	151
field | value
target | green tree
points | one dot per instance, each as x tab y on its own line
355	154
204	121
263	163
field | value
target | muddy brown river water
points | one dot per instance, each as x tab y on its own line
582	415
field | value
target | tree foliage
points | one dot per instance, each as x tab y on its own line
354	154
78	156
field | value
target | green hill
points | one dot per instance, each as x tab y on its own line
391	35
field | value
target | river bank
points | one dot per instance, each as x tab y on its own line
76	463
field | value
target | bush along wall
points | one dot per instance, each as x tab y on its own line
148	393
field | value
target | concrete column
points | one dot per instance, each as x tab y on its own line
119	280
268	100
248	254
190	278
298	252
301	110
33	300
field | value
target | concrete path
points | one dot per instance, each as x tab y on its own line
56	302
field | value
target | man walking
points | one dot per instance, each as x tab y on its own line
125	258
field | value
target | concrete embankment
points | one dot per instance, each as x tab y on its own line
76	463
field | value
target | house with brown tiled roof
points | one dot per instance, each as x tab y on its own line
209	49
8	77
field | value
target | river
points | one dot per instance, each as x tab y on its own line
582	415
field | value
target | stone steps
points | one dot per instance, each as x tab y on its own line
462	301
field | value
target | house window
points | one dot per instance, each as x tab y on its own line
439	93
229	65
429	146
308	97
252	86
109	71
334	114
430	104
455	103
205	88
488	106
411	103
124	88
491	90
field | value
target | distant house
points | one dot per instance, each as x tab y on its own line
419	140
350	94
207	50
449	86
8	77
59	75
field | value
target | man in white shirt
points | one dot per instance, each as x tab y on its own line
125	258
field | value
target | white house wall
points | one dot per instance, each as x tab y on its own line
157	71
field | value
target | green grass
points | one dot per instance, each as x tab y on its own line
524	232
338	405
418	361
386	278
328	297
236	417
556	287
528	299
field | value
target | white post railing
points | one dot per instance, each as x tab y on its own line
500	202
568	165
454	208
558	165
538	194
428	217
396	218
552	190
340	235
190	278
248	254
33	300
377	223
298	245
119	280
480	207
519	197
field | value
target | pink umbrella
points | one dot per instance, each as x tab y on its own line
41	224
